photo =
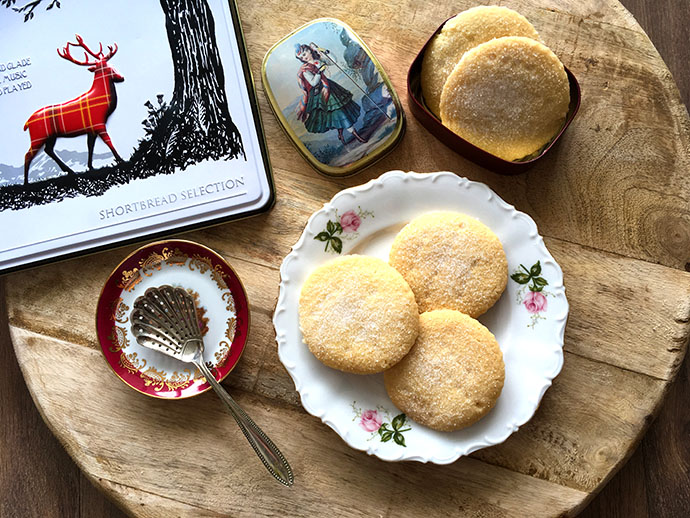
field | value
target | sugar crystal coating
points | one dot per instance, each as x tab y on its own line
451	261
460	34
357	314
508	96
452	376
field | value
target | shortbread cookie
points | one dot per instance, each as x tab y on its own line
508	96
460	34
357	314
451	261
452	376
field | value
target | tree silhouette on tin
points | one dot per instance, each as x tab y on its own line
195	126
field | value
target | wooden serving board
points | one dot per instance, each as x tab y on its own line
611	203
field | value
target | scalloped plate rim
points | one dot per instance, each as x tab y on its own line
322	414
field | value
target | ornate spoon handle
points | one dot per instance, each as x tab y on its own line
268	452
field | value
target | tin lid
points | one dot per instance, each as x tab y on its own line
332	97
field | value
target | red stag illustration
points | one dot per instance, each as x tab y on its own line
87	114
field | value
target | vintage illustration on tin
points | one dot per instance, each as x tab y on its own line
189	124
339	106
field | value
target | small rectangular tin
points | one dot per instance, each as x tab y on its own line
462	146
332	97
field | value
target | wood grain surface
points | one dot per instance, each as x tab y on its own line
612	203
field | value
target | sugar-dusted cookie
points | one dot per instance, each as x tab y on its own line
460	34
508	96
357	314
451	261
453	374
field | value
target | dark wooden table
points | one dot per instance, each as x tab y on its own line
38	479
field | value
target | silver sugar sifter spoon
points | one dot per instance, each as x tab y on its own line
164	319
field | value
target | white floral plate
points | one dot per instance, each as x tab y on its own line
528	320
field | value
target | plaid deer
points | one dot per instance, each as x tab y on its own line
87	114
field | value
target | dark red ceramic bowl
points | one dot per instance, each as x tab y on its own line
462	146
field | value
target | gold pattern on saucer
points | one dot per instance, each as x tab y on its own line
223	353
230	300
130	278
154	378
119	311
131	363
159	379
177	258
204	264
200	312
118	337
153	262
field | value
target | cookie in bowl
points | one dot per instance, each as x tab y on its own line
509	96
460	34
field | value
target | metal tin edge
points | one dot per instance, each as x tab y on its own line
184	229
366	160
253	99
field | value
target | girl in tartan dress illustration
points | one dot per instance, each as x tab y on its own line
325	105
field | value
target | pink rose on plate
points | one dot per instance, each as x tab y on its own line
370	421
535	302
350	221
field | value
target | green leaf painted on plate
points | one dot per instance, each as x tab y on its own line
535	270
398	421
520	278
399	439
540	281
337	244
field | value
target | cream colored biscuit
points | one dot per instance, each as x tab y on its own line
460	34
451	261
452	376
357	314
508	96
